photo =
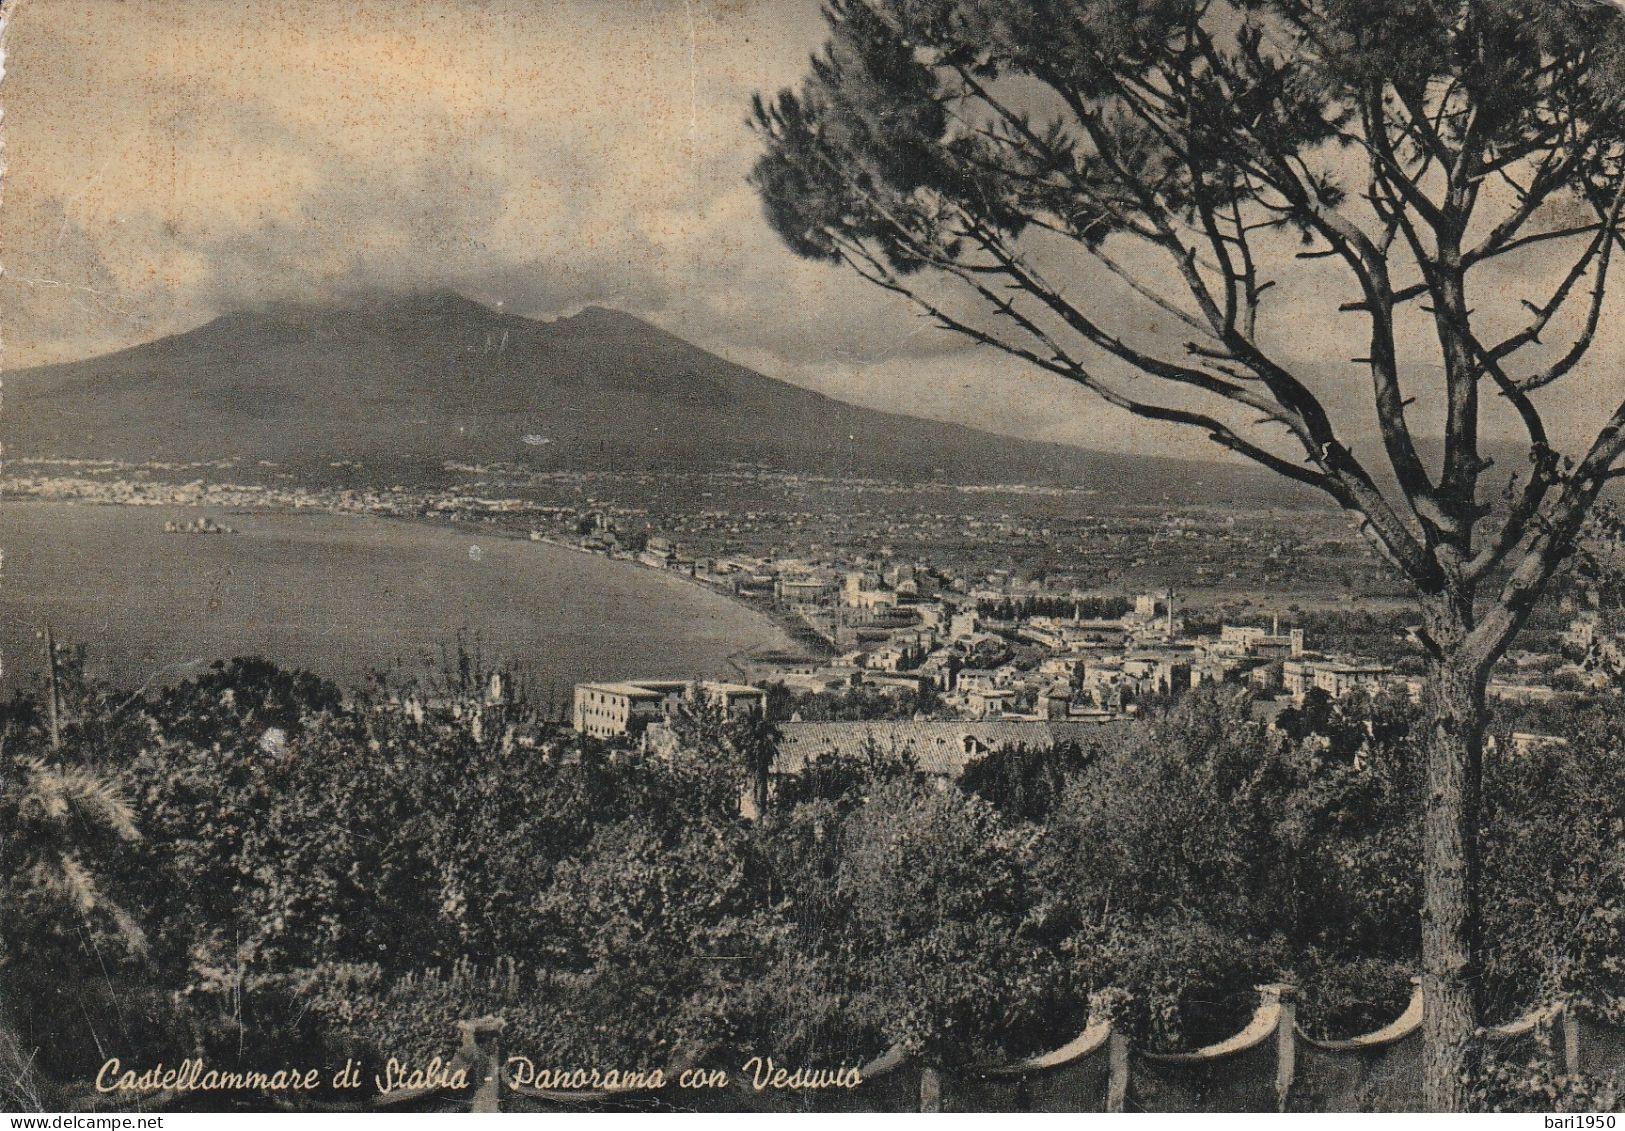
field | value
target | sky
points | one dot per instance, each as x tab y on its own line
172	160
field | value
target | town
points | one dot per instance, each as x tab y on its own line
983	670
929	632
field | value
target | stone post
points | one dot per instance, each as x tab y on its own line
1117	1072
481	1051
54	702
1569	1025
930	1089
1286	1038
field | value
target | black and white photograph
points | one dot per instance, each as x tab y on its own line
812	556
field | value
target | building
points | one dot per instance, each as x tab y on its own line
975	679
806	589
1068	667
870	599
605	710
627	707
1145	619
938	667
1056	701
856	584
897	681
1158	673
1253	640
989	703
736	699
891	659
818	682
1335	677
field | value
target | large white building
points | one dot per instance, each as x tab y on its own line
607	710
1335	677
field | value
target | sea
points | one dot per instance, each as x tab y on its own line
344	596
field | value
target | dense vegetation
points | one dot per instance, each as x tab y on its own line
254	867
852	704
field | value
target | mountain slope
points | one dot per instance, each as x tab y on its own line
402	383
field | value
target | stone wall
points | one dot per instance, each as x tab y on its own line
1270	1066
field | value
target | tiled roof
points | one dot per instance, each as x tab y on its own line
627	688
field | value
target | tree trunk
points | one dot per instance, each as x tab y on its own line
759	784
1453	703
54	704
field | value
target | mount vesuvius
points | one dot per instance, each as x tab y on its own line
398	383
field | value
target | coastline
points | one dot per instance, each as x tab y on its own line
723	650
789	623
801	634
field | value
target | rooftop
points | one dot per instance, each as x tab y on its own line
638	688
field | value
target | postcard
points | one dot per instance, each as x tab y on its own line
819	556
